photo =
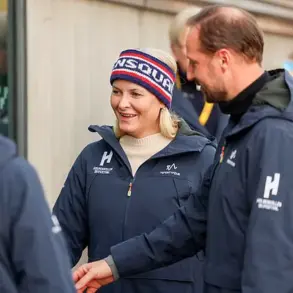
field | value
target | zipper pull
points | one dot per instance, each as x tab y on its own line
222	152
129	189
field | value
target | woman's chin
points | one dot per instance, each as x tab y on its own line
127	129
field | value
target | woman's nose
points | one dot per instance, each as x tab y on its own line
124	101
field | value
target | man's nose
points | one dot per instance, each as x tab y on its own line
189	73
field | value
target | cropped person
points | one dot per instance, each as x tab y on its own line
33	255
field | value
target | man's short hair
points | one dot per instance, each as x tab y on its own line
178	24
222	26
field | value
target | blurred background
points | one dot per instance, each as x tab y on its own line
56	57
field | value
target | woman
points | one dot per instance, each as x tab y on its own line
141	171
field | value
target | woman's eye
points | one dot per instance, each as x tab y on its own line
136	95
115	92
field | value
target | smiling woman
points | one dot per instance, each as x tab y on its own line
137	175
143	82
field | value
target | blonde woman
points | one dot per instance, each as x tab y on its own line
142	170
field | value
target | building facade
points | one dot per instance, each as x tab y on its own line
70	47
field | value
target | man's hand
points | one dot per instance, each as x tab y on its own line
92	276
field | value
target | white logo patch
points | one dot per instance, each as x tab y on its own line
106	157
271	188
170	167
169	171
231	159
101	170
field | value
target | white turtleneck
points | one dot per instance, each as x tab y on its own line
138	150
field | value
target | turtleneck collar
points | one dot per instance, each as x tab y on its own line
240	104
138	150
145	141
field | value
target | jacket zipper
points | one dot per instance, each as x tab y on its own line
129	192
129	189
222	155
220	160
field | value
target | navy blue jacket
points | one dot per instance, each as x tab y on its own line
33	257
95	207
247	228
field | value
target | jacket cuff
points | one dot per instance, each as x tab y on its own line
110	262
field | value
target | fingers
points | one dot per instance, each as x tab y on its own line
80	272
81	290
85	279
76	276
92	290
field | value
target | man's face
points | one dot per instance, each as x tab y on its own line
205	69
179	51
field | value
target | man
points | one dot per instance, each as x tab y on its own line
181	105
242	214
33	257
208	115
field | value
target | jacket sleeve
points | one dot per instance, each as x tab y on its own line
38	251
180	236
70	209
269	239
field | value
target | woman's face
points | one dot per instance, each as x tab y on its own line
136	109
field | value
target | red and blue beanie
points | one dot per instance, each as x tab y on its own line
147	71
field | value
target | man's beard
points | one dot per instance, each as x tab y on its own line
214	96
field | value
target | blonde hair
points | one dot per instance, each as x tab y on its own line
179	24
169	121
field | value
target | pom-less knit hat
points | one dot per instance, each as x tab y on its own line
147	71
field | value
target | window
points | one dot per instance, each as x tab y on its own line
4	99
13	118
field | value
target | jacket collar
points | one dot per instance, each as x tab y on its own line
185	141
274	100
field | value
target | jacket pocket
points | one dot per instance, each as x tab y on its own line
183	190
